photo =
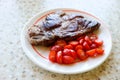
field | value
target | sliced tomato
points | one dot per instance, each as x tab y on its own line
52	56
73	43
56	48
59	57
98	42
68	46
100	51
91	52
86	46
78	47
68	60
61	43
81	54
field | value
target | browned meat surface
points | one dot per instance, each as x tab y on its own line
60	26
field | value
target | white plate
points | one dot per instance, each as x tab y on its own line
39	54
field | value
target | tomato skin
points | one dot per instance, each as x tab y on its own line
81	37
87	39
61	43
81	41
59	57
98	42
73	43
100	51
56	48
68	60
93	46
70	52
68	46
91	52
73	54
93	37
86	46
78	47
66	52
81	54
52	56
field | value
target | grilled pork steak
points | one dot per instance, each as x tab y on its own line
60	26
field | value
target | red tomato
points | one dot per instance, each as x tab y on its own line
93	46
61	43
78	47
66	52
93	37
73	43
68	60
98	42
81	41
52	56
86	46
81	54
87	39
70	52
56	48
99	51
59	57
68	46
81	37
91	52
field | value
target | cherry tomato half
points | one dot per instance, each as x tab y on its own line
81	54
61	43
56	48
59	57
73	43
70	52
68	46
68	60
52	56
91	52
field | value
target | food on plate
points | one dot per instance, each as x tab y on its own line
76	50
62	25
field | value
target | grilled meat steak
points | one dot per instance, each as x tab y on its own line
60	26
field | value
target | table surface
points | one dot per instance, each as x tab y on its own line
14	65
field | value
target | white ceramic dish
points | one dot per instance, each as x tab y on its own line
39	54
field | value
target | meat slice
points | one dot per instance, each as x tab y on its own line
60	26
